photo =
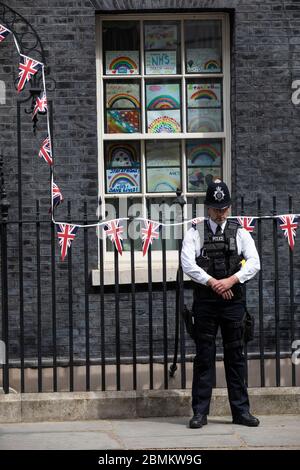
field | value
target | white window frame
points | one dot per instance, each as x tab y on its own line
225	135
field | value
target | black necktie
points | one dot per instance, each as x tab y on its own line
218	230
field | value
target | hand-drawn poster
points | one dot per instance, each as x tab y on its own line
160	62
203	153
123	121
125	180
163	180
204	95
203	60
165	96
163	121
122	95
122	154
122	62
160	36
204	120
199	178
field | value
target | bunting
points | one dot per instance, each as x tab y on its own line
247	223
40	105
4	32
45	151
27	69
66	234
149	233
289	226
57	197
114	232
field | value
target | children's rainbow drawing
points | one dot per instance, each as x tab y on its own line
122	122
121	155
204	120
204	154
122	63
164	102
205	125
163	122
123	100
163	179
212	65
204	94
123	181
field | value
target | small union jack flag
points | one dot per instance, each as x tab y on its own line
27	68
66	234
45	151
289	227
57	196
40	105
114	231
247	222
4	32
150	232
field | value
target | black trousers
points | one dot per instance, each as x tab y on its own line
209	315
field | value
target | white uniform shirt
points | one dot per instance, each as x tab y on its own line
192	245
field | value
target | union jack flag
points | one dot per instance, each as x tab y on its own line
40	104
289	226
4	32
27	68
114	231
45	151
150	232
57	197
66	234
247	222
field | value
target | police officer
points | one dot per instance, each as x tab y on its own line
215	265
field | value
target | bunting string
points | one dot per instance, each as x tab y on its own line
114	229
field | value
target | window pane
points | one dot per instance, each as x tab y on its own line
162	48
122	101
204	163
203	46
122	167
204	105
163	103
121	47
163	170
166	211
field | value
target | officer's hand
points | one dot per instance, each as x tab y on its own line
228	294
224	285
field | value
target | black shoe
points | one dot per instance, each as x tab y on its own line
246	419
198	421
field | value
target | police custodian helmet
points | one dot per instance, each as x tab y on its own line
217	195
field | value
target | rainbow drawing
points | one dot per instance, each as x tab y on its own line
163	102
212	65
130	101
165	122
117	152
204	154
122	122
205	94
205	125
123	181
122	62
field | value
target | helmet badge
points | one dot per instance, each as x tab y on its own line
219	194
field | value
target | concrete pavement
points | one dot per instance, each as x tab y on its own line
275	432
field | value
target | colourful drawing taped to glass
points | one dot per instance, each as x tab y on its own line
163	121
163	96
203	60
123	122
204	95
122	95
122	62
121	155
199	178
163	153
203	153
161	62
125	180
163	180
160	36
204	120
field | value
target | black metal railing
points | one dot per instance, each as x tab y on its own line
54	319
